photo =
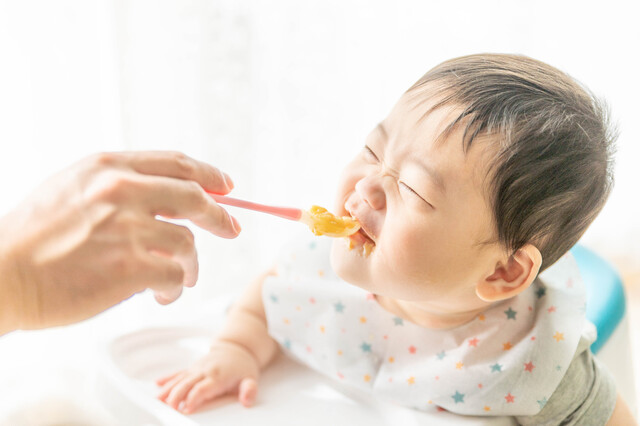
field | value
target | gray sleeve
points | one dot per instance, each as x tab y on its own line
585	396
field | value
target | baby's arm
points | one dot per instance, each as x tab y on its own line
621	414
246	324
233	364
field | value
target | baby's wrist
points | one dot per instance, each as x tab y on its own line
236	344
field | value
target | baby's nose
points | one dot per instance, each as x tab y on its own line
370	190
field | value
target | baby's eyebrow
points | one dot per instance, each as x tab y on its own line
433	173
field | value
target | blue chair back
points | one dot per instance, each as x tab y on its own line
606	301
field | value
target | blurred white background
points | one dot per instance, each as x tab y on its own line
280	93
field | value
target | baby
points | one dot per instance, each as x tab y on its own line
485	173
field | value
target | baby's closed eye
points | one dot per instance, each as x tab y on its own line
413	192
369	154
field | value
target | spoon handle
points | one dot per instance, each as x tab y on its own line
284	212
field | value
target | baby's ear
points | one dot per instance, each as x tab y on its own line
507	280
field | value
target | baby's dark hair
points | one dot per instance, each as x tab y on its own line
552	172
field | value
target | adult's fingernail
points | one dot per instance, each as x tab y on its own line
235	224
228	181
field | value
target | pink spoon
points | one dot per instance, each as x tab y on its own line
290	213
284	212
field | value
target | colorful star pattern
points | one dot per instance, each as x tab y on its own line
468	377
542	402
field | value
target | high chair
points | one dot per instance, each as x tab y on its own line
606	309
291	394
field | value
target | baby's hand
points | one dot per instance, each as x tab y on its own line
227	369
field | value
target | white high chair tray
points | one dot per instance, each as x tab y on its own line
288	393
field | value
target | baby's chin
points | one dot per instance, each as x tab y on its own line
348	267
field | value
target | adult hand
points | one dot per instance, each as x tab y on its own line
89	237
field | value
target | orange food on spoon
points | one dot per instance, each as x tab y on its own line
318	219
323	222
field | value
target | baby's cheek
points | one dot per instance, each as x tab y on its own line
419	256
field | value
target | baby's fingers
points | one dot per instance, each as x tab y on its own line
169	384
203	391
247	391
180	390
162	380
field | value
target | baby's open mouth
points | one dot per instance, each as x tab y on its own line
361	239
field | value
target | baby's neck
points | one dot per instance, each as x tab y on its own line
427	318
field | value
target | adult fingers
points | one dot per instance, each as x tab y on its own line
175	242
181	199
158	273
163	275
164	297
181	166
247	391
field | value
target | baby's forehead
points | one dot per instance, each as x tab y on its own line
430	117
437	135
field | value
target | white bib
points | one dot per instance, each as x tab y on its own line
507	361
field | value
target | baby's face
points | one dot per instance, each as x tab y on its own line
424	205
